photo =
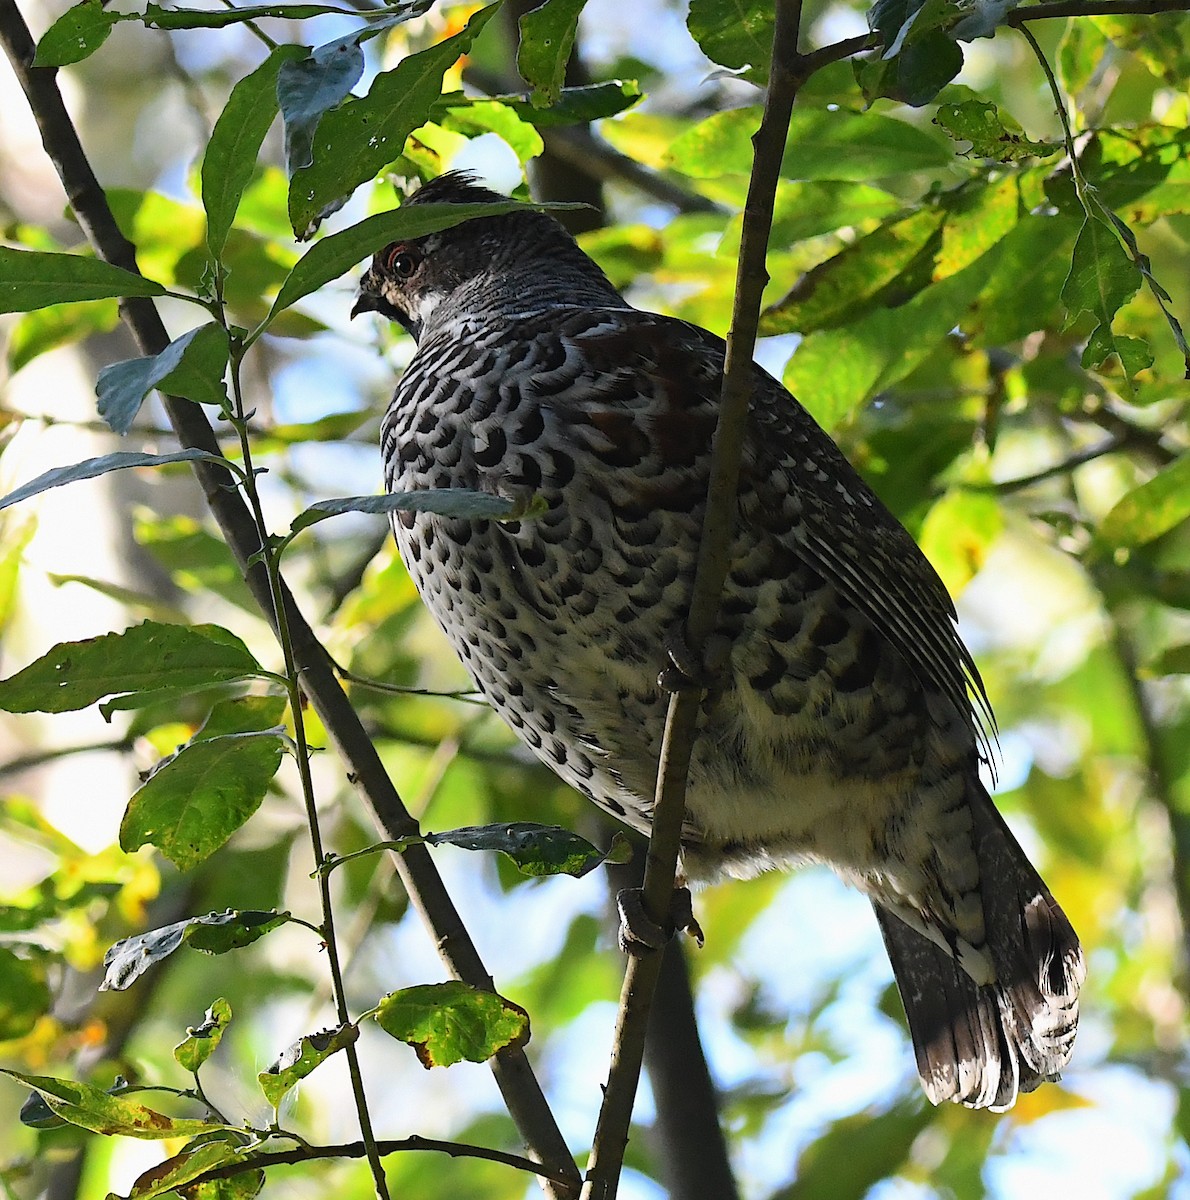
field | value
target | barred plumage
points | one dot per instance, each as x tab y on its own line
840	728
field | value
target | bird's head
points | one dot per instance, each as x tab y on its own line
514	262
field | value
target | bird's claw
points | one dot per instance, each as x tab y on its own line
639	933
686	671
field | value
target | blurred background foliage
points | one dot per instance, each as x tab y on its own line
920	307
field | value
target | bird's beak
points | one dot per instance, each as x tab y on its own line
365	302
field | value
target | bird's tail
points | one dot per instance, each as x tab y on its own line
982	1045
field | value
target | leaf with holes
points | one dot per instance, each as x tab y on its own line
546	37
298	1060
202	1041
214	933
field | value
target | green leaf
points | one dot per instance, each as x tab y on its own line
578	105
1102	278
536	849
157	17
821	145
991	134
329	257
196	799
463	503
450	1022
482	116
202	1041
145	658
215	933
205	1153
309	86
24	994
1150	510
58	325
90	468
839	290
298	1060
231	154
76	34
243	714
32	279
546	37
919	58
191	366
735	33
354	141
90	1108
958	534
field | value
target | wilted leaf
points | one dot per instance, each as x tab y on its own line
214	933
191	366
90	1108
201	1041
536	849
298	1060
203	1154
147	657
34	278
200	796
449	1022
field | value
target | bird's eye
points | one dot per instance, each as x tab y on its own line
402	261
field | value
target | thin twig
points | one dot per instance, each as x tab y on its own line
611	1137
514	1076
38	758
303	1154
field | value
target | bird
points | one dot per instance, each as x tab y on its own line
842	721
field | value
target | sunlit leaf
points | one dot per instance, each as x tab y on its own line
735	33
90	1108
546	37
1152	509
451	1022
203	1039
195	800
34	278
214	933
298	1060
46	329
145	658
205	1153
991	134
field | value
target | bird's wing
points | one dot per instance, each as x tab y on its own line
797	484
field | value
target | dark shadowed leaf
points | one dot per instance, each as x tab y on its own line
243	714
91	468
76	34
157	17
191	366
202	1041
214	933
298	1060
196	799
547	35
24	994
536	849
90	1108
451	1022
145	658
354	141
735	33
230	157
446	502
578	105
34	278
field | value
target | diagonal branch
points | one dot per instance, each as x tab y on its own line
521	1091
681	726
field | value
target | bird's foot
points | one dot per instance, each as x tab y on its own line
686	671
639	933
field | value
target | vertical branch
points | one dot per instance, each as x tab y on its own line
681	725
514	1076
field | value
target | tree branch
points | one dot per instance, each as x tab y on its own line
681	726
520	1089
